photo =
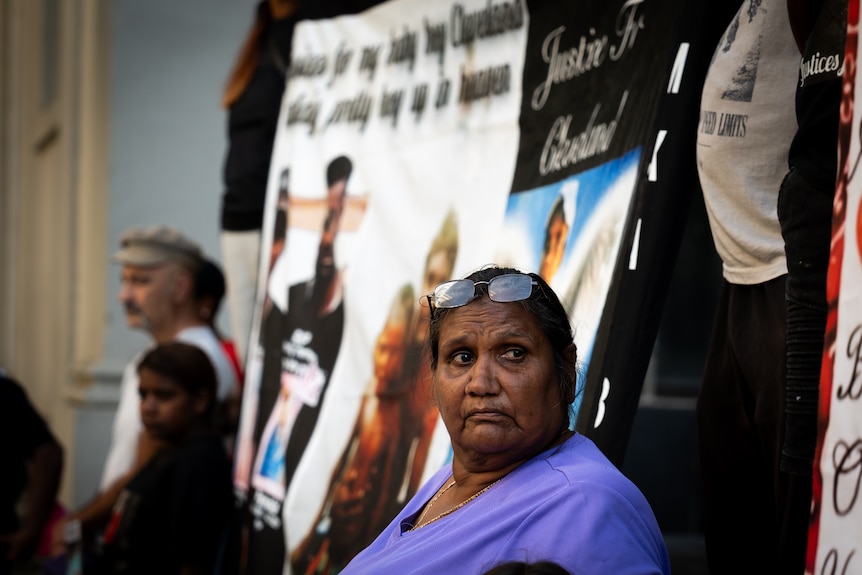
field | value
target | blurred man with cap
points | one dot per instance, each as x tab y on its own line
158	295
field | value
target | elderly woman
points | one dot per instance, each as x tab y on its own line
521	486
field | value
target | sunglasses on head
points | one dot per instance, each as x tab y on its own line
501	289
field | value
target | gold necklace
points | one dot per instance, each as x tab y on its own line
456	508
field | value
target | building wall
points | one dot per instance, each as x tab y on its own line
44	164
170	60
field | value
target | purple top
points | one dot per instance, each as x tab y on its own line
569	505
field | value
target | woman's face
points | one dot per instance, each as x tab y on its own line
168	411
495	385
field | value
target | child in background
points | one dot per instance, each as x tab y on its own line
209	293
173	514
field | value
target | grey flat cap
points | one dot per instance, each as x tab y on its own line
157	245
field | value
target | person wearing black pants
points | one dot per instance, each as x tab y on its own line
755	514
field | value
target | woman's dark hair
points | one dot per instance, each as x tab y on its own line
184	364
524	568
550	315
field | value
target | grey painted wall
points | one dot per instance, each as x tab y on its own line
170	60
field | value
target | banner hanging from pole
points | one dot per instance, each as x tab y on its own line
417	142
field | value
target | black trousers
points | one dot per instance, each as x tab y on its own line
805	215
755	516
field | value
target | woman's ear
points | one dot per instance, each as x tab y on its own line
182	286
202	401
